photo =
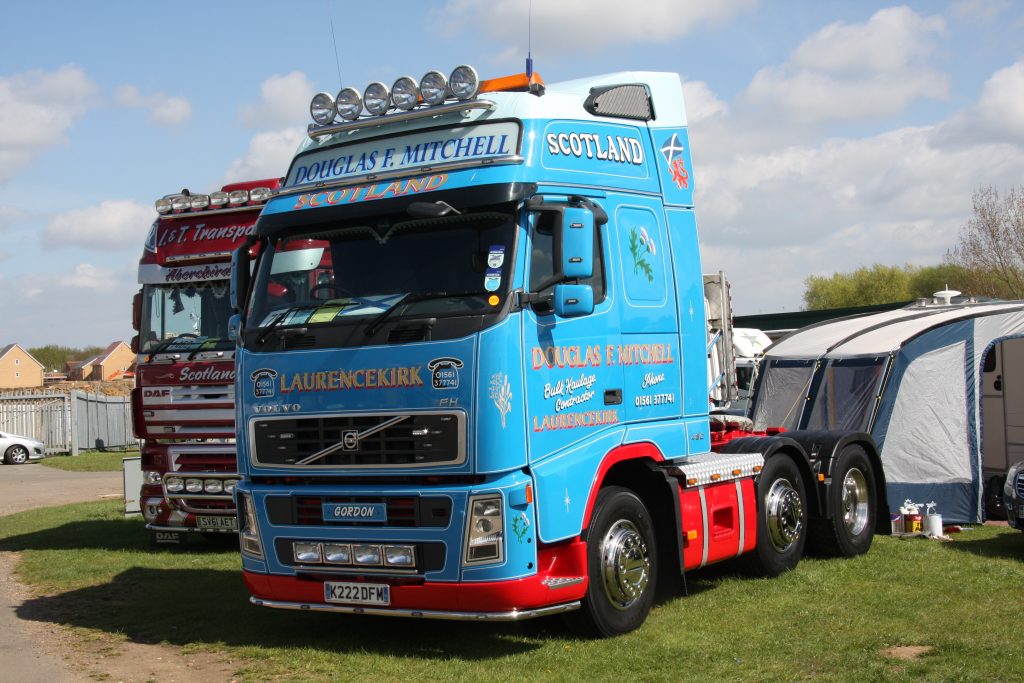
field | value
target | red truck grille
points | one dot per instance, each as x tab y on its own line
181	400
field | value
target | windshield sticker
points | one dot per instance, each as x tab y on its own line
444	373
263	386
496	256
492	280
325	314
500	391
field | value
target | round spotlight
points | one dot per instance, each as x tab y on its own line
321	108
377	98
464	82
349	104
405	93
433	87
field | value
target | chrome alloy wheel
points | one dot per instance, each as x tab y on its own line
784	514
855	501
625	564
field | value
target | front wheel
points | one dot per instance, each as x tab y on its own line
849	527
621	565
781	518
16	455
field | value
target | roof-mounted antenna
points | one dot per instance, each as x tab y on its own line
534	87
334	38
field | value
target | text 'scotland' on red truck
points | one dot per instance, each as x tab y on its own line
183	402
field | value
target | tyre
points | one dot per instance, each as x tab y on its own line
781	518
849	525
621	565
16	455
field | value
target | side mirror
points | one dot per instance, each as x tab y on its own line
234	327
572	301
574	243
239	277
137	310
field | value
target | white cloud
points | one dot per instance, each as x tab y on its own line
998	115
983	11
88	276
855	71
113	225
284	100
37	108
701	103
268	156
592	25
164	110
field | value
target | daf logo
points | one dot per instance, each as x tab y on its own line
350	440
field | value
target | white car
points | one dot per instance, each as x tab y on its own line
17	450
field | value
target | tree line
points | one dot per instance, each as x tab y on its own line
987	261
55	357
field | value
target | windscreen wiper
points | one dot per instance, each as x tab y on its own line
411	298
167	343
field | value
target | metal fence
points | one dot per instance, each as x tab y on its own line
67	423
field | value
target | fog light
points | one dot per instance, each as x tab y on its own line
200	201
238	197
377	98
306	552
399	556
337	553
175	484
259	194
213	486
321	108
194	485
433	87
180	202
405	93
218	198
229	486
163	206
349	104
464	82
366	554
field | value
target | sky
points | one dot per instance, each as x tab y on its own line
826	135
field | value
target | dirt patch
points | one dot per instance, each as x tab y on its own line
907	653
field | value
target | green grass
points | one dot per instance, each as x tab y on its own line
829	620
90	461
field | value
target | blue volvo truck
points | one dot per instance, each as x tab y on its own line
473	366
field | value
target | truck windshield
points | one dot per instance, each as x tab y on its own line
395	267
185	316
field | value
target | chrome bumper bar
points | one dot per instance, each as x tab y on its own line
514	615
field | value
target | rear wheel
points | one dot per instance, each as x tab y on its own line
621	565
16	455
849	527
781	518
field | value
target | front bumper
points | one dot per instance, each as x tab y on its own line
161	515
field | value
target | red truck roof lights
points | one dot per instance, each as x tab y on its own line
231	196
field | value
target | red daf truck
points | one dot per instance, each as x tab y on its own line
183	401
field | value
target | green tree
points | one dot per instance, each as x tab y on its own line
991	244
54	356
879	284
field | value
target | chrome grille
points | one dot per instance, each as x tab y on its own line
359	440
1019	485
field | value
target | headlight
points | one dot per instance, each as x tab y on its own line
194	485
213	486
399	556
337	553
349	104
175	484
307	553
366	554
464	82
405	93
321	108
152	478
433	87
485	532
377	98
248	528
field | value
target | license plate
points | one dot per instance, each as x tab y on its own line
216	522
355	512
358	593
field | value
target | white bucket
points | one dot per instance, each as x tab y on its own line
933	525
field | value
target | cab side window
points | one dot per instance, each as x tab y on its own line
542	255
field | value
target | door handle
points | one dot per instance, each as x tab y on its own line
613	397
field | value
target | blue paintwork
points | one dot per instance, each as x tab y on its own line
532	386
